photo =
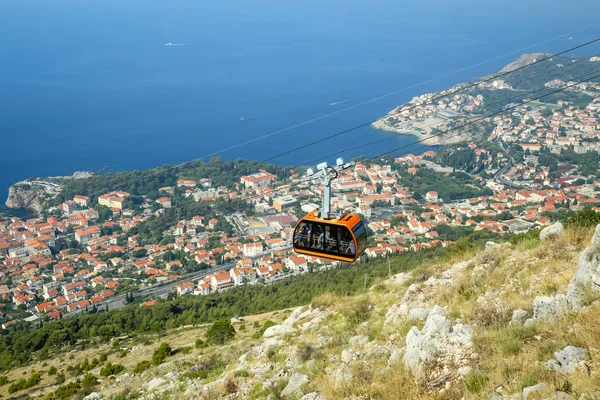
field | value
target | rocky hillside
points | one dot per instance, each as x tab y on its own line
510	322
33	192
524	60
25	196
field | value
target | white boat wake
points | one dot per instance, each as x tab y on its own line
335	103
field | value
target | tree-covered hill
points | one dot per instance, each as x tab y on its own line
143	182
536	76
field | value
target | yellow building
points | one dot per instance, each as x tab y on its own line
113	199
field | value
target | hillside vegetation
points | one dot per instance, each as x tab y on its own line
516	318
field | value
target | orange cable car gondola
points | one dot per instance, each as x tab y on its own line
321	234
343	239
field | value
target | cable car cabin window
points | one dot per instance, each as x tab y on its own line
360	233
303	232
317	237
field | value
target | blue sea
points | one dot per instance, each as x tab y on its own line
88	84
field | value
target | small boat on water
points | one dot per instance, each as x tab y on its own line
242	119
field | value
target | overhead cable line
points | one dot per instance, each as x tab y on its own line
493	77
391	94
456	128
435	98
162	170
395	135
474	121
491	115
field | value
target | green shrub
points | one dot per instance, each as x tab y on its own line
358	311
271	351
220	332
52	370
258	334
76	370
584	219
242	373
64	392
142	366
306	351
475	382
111	369
89	380
208	368
160	354
200	344
380	287
60	378
510	339
3	380
510	346
527	381
257	392
548	348
530	236
23	383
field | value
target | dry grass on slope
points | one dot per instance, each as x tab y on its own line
484	294
482	290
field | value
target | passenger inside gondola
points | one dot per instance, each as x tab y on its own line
326	238
347	244
317	237
303	236
330	241
351	249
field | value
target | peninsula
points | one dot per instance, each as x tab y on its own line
428	116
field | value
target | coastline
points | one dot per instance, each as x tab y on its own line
28	196
428	140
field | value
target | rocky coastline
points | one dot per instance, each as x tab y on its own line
31	194
429	140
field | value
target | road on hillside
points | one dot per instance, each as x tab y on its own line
161	289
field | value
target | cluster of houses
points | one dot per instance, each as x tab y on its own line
52	282
437	109
568	127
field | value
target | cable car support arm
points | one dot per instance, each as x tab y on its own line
327	173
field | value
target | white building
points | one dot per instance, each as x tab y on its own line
253	249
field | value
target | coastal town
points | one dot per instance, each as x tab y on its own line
86	254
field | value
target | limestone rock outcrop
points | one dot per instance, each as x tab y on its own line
449	346
525	59
568	359
552	232
587	278
24	196
294	384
